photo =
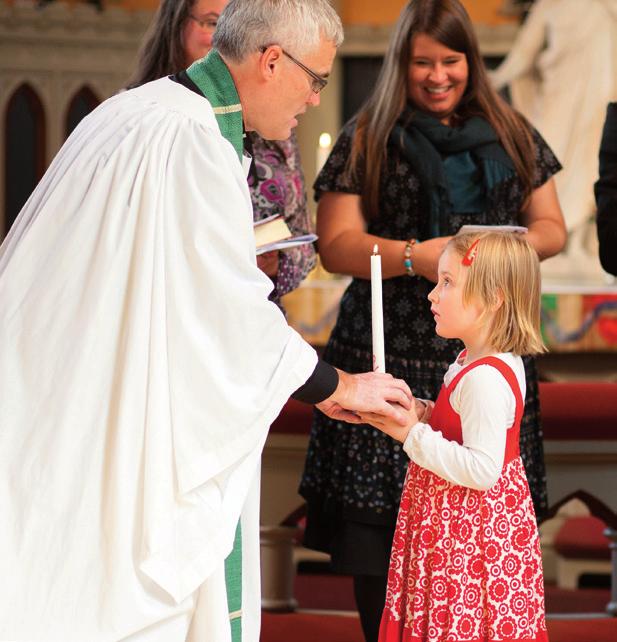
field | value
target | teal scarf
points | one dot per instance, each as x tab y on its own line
459	167
213	79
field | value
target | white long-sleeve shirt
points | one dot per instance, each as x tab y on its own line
486	405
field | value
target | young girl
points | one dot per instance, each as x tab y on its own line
465	562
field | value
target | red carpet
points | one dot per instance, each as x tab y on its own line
335	592
331	592
308	627
589	600
305	627
604	630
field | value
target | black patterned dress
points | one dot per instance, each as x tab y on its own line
353	475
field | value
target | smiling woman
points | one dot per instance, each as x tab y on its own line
437	77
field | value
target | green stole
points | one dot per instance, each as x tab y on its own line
213	79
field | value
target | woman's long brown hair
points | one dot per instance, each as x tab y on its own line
162	49
447	22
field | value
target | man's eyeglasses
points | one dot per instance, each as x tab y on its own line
208	23
317	82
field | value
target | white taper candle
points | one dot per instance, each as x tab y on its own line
323	151
379	359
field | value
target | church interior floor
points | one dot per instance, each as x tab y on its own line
322	627
317	591
326	613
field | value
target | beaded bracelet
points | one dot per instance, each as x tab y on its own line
407	257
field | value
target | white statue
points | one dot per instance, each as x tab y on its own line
562	73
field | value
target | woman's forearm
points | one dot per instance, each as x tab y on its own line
548	237
545	222
349	253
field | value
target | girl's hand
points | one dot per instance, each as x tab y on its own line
424	409
390	427
268	262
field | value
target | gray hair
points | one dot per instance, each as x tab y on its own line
297	25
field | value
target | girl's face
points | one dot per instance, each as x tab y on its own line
453	320
200	27
437	77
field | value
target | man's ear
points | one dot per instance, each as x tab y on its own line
269	61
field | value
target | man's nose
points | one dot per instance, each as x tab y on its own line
314	99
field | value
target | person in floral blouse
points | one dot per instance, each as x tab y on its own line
277	187
181	33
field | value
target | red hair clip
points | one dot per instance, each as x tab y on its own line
471	253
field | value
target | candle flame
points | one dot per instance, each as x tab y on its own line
325	140
375	249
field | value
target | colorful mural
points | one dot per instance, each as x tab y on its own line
571	321
580	322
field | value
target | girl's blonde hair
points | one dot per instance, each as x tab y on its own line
505	268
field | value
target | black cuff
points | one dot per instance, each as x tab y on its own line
319	386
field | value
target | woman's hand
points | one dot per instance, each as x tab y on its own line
268	263
425	256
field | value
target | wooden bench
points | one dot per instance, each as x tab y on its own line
581	548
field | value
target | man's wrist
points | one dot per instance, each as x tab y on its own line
320	385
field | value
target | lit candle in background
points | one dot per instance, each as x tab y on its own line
379	359
323	150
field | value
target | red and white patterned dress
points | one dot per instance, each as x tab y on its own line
465	564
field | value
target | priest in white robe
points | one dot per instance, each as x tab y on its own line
141	362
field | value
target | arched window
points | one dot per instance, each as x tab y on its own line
24	159
82	103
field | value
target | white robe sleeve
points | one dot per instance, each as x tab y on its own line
486	405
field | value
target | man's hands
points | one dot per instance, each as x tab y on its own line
371	393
